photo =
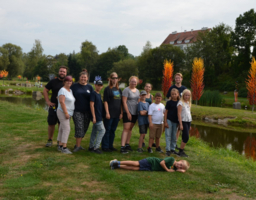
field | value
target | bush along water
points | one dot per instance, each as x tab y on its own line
211	98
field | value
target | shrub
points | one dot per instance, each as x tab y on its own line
211	98
243	92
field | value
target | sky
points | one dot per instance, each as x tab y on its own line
62	25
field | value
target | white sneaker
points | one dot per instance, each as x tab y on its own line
66	151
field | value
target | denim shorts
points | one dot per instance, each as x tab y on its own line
145	165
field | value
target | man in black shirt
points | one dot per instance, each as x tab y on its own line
54	85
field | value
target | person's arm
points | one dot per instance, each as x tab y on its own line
152	99
46	97
165	119
63	105
121	114
143	112
107	110
162	163
179	116
124	100
180	170
93	112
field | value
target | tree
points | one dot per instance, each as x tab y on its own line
243	38
33	57
215	49
41	69
197	79
251	84
16	64
89	55
147	47
74	65
4	58
150	64
125	69
123	51
167	76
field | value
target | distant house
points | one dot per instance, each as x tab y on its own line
183	39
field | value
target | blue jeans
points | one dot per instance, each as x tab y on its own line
98	131
108	139
170	135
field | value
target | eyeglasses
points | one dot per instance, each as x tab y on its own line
114	78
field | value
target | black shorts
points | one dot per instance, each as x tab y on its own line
143	128
52	118
145	165
126	120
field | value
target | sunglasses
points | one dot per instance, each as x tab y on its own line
114	78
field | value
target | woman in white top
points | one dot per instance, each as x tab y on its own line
184	117
66	106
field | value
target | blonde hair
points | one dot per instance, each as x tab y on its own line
185	164
175	90
137	79
110	82
182	97
178	74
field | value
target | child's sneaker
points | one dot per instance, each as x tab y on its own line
49	143
174	152
140	150
98	151
159	150
59	148
182	154
66	151
91	149
168	153
124	151
150	150
128	147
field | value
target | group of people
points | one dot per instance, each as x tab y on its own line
83	103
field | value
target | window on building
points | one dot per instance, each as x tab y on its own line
172	42
179	42
187	41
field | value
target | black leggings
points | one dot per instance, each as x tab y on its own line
185	132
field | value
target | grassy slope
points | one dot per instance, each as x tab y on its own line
28	170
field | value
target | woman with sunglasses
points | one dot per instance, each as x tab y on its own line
113	106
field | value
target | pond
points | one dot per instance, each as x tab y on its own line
242	142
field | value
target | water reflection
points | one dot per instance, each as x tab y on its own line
242	142
25	100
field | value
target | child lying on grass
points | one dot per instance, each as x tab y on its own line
152	164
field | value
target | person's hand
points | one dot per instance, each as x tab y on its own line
129	116
94	120
107	116
50	104
166	125
151	125
67	116
181	127
121	116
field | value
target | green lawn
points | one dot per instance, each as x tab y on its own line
28	170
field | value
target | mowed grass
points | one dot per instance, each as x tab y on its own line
28	170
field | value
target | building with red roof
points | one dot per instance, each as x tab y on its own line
183	39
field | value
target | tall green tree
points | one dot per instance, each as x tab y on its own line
4	58
42	69
89	56
16	65
33	57
243	39
125	69
215	49
74	65
150	63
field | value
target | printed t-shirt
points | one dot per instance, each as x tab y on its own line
172	114
157	112
155	163
142	119
132	100
113	97
181	88
54	85
185	112
82	95
98	105
69	100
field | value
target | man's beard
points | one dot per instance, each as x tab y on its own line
61	77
